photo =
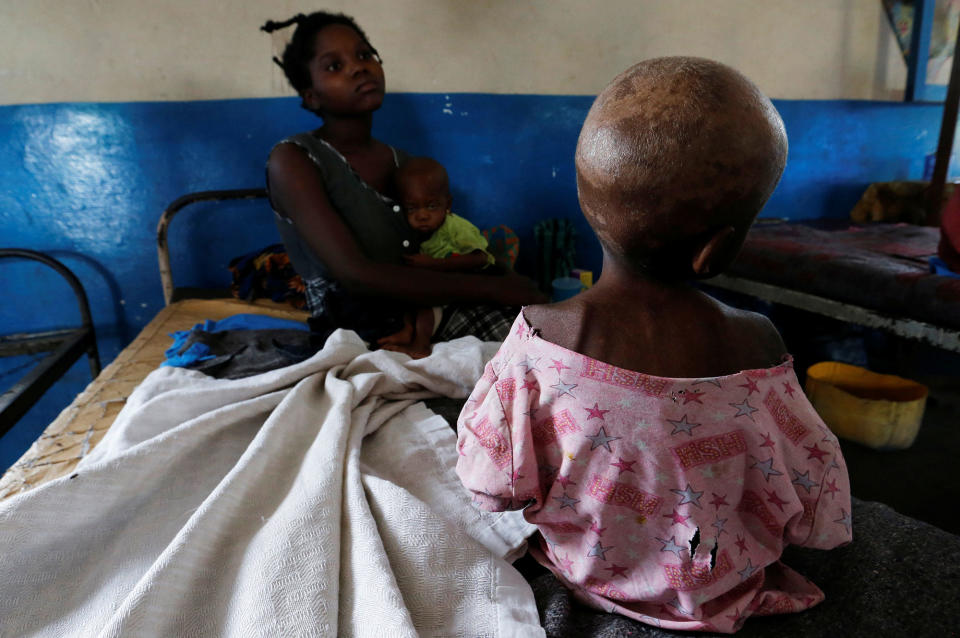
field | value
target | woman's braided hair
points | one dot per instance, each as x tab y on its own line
300	50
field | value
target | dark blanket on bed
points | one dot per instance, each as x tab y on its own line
882	267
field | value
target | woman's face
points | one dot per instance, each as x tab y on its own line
346	74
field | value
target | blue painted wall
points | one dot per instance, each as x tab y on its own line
87	183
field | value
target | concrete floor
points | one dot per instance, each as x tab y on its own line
921	481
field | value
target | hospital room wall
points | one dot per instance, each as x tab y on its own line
111	109
123	50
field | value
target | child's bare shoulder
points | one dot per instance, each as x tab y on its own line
562	323
705	336
757	334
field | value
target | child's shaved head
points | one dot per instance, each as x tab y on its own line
673	150
423	169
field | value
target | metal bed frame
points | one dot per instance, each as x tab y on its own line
65	347
170	293
940	337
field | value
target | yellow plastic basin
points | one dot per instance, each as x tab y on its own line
879	410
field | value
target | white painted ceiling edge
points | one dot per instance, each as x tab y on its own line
133	50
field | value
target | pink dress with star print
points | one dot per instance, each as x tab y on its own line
666	500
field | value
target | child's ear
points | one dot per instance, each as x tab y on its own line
309	97
715	254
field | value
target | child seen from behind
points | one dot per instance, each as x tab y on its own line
658	438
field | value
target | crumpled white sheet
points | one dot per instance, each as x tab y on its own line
313	500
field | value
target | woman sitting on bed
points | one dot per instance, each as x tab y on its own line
331	190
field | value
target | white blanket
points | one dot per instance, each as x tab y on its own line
314	500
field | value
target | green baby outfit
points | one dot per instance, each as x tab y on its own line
455	236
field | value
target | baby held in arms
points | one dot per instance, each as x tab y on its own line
658	438
451	244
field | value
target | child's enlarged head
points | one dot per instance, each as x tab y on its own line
675	159
424	192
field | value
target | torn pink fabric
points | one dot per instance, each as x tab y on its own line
666	500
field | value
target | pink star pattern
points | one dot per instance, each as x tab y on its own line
741	544
559	365
831	487
815	452
623	466
677	517
776	500
595	412
617	570
530	384
672	430
751	386
734	617
718	500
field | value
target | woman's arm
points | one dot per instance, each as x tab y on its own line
297	191
454	263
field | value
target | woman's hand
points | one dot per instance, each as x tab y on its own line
513	289
471	262
297	191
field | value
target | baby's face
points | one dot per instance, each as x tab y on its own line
426	205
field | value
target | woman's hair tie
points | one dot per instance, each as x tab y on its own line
270	26
299	49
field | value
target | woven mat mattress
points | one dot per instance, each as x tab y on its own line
82	424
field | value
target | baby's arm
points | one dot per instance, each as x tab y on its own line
463	245
298	191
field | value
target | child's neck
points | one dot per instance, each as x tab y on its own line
633	320
624	282
666	328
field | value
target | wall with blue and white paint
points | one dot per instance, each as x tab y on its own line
110	109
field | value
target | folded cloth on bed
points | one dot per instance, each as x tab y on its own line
317	499
188	351
235	354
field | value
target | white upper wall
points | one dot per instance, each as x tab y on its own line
133	50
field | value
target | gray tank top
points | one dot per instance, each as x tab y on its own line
376	221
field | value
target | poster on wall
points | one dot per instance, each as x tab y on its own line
943	35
